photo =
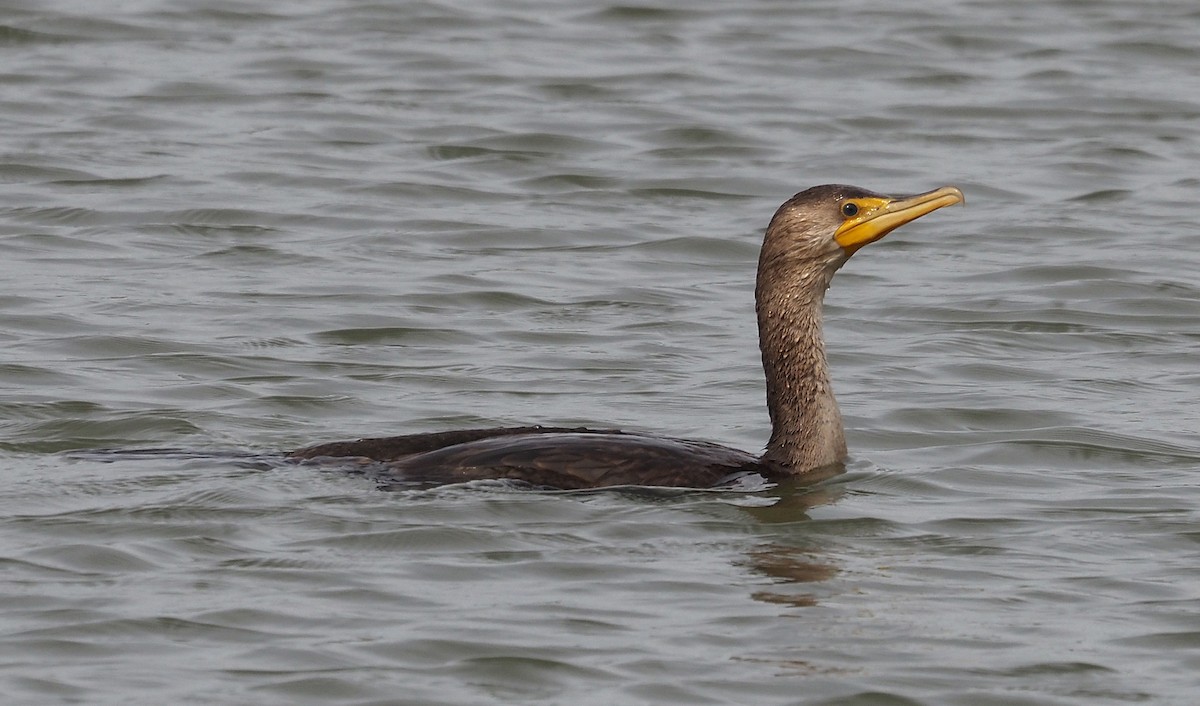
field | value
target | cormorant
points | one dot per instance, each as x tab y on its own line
809	238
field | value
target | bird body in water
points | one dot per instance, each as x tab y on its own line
809	238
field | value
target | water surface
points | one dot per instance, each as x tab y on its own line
232	227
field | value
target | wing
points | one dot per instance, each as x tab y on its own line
578	460
552	457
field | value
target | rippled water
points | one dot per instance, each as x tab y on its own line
234	228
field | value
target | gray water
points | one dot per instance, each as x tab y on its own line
236	228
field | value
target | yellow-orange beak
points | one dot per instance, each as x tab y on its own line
878	216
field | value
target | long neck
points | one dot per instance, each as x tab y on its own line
806	426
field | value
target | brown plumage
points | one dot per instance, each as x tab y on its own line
810	237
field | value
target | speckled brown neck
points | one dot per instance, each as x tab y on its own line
806	426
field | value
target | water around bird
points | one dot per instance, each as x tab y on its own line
231	229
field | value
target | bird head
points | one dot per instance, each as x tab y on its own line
818	229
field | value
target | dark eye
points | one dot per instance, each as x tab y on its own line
849	209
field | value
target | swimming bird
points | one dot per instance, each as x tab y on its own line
809	238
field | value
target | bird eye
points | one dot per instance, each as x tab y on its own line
849	209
